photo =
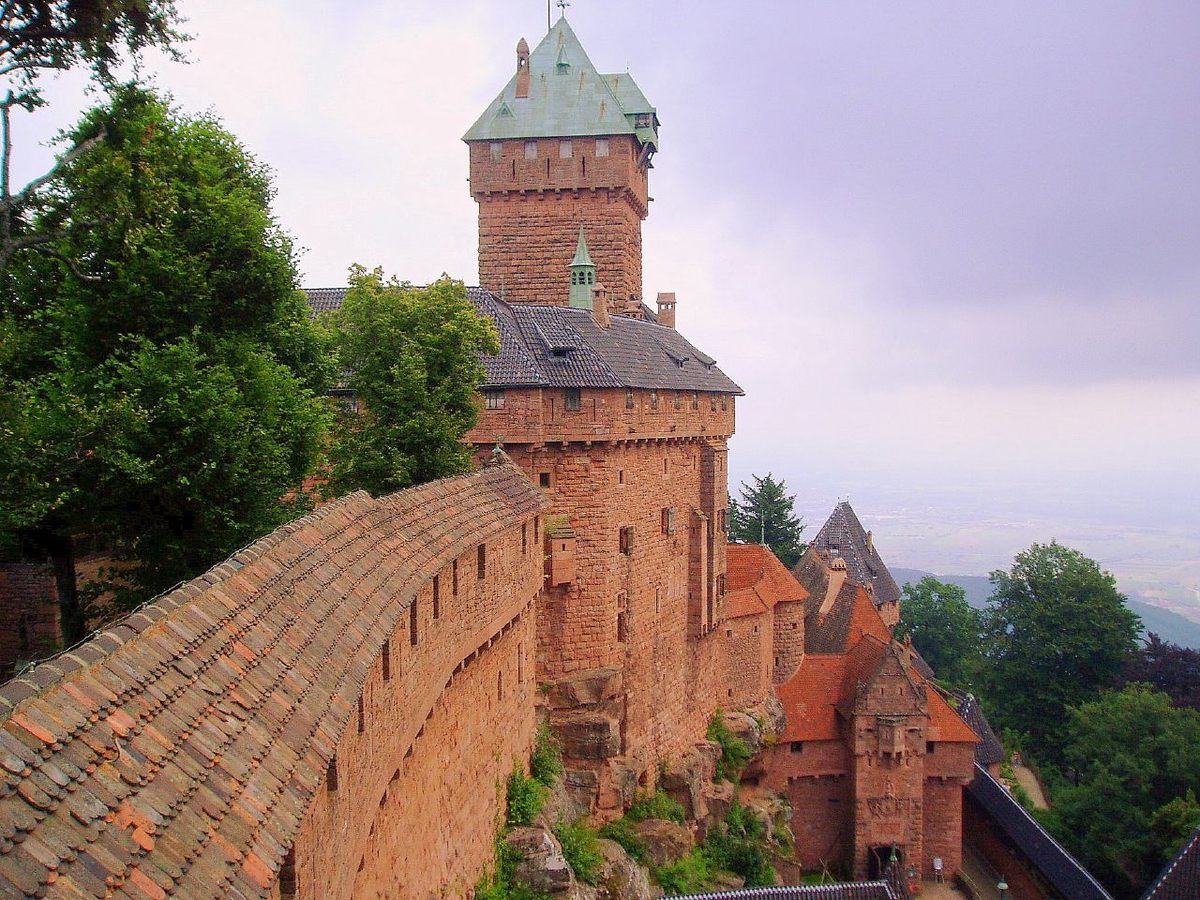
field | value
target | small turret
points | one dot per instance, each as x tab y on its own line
583	275
522	68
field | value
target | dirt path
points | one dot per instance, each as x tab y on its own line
1029	781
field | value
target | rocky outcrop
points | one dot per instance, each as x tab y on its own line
621	878
689	779
665	841
543	866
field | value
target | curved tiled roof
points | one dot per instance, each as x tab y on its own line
756	580
556	346
178	751
1180	878
990	751
862	890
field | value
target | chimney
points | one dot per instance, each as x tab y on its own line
666	310
522	68
633	308
600	305
870	542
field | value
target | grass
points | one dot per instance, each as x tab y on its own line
581	849
656	805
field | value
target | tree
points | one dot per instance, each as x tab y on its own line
765	515
168	402
39	36
1136	761
1168	667
1056	631
413	358
945	628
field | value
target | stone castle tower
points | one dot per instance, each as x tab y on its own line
562	146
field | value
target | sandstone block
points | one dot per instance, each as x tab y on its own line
588	735
543	866
665	841
621	878
586	688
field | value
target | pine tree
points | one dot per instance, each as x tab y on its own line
765	515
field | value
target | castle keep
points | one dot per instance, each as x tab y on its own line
328	713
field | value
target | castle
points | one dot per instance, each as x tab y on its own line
328	713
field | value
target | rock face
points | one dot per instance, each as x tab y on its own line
543	866
590	688
688	779
665	841
621	878
746	729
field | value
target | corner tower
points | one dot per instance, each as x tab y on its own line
562	147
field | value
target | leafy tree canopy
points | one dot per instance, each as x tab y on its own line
1136	759
413	361
1169	668
765	515
1057	631
945	629
167	402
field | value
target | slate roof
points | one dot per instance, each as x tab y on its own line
843	535
852	615
1022	831
756	580
863	890
568	97
555	346
989	751
178	751
1180	878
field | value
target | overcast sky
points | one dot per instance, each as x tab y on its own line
937	243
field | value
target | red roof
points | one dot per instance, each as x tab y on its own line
756	580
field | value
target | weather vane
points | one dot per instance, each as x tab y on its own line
563	4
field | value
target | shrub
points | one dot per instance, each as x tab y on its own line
656	805
621	831
546	764
686	875
525	797
581	850
738	845
502	884
734	752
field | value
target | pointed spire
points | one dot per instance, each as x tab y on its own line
583	275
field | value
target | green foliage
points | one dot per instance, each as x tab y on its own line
687	875
502	883
945	629
545	764
1057	631
738	845
765	515
413	358
581	850
169	404
621	831
655	805
734	752
526	797
1136	761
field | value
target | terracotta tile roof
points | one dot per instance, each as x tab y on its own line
811	697
556	346
861	890
178	751
945	724
757	580
843	536
852	615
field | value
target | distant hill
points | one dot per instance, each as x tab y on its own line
1167	625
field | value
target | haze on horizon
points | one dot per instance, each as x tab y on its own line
948	250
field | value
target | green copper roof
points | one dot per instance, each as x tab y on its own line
582	257
567	98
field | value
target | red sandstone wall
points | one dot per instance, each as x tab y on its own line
530	211
747	660
943	825
787	640
436	735
978	835
29	619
